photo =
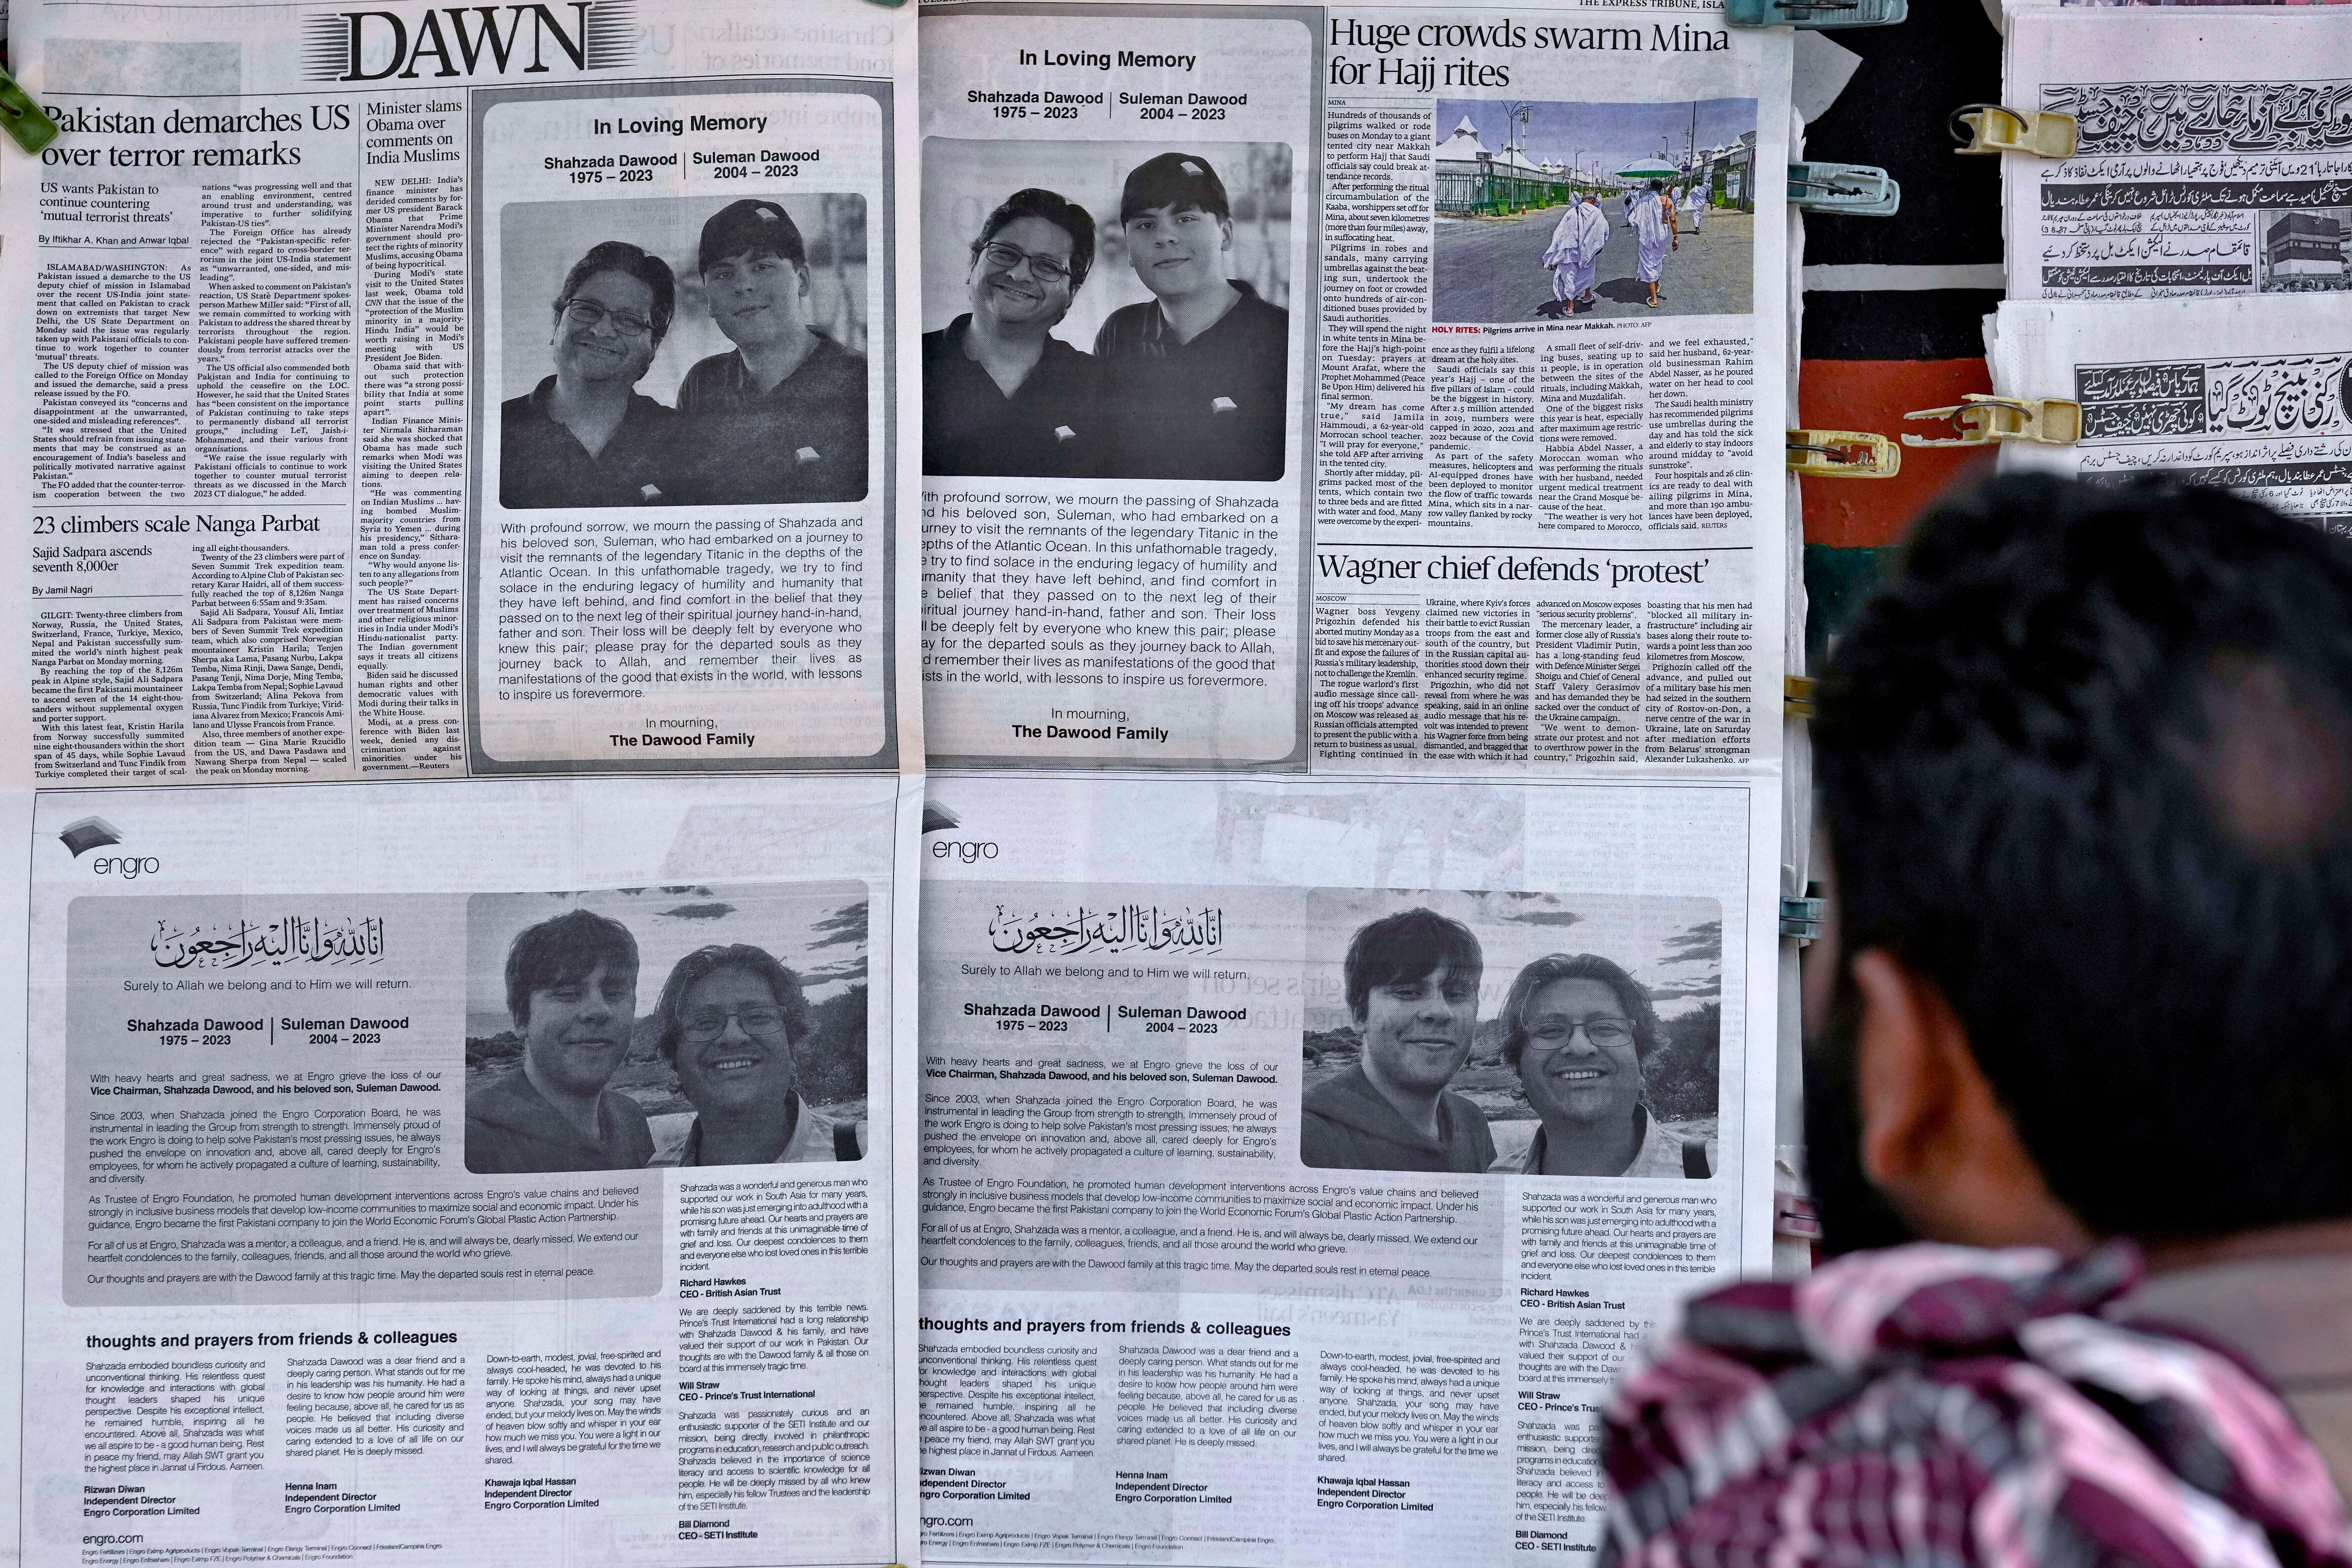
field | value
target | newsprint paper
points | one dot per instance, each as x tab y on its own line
2250	394
496	1169
2212	156
312	1274
1192	1291
412	395
412	391
1442	491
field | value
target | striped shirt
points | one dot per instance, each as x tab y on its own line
1949	1407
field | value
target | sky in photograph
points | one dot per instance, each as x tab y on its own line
1604	136
1672	947
818	932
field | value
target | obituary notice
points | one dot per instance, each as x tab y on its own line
1194	1289
422	393
1287	404
521	1178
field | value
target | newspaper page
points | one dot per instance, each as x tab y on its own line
369	1202
1285	410
412	391
2211	156
1194	1290
2000	12
2252	394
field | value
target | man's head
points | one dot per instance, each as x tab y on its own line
1031	259
572	989
1412	993
1580	1032
2086	771
1178	224
729	1018
611	313
755	275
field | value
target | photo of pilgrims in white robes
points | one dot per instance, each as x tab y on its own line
1649	220
1575	255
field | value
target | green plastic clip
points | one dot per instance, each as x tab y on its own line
28	124
1815	12
1851	190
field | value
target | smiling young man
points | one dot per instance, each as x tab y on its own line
572	990
731	1020
1411	983
783	418
1002	395
1198	376
585	436
2083	1019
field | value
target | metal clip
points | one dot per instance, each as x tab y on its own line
1796	697
26	123
1802	918
1981	418
1848	190
1815	14
1843	454
1992	128
1794	1217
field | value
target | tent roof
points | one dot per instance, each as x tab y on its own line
1464	142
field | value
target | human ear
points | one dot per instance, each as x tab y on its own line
1906	1084
1936	1140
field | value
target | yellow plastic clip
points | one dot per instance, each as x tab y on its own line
1993	128
1843	454
1980	418
1796	696
24	122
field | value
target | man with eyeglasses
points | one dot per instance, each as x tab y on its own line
1002	395
1411	983
585	436
1580	1032
731	1019
783	418
1199	376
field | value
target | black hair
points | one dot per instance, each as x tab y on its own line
1066	216
1176	180
564	950
2084	764
1400	948
761	227
1582	966
1656	185
705	962
620	255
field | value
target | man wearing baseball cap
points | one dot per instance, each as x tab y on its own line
783	418
1199	378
